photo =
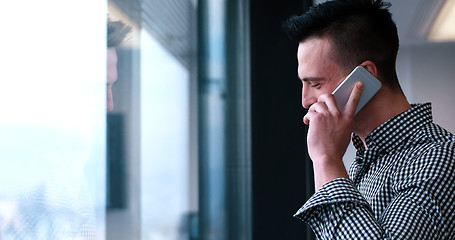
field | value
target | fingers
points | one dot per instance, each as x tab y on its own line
354	99
329	102
306	118
324	106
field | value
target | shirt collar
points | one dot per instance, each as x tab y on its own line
392	134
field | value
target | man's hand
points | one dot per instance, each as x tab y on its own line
329	135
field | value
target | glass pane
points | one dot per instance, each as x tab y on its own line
165	158
153	106
52	99
174	111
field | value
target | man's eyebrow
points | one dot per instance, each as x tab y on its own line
312	79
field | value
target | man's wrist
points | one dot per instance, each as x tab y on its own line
326	170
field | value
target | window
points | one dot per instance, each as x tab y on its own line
152	98
52	154
168	159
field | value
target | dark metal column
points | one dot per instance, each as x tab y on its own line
224	120
212	114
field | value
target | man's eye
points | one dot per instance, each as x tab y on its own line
315	85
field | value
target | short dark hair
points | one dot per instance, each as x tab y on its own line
116	32
359	30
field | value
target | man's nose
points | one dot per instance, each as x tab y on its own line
307	97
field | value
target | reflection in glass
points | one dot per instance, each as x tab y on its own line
184	116
156	69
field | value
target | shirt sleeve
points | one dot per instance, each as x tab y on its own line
421	206
338	211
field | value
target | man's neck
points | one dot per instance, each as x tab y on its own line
385	105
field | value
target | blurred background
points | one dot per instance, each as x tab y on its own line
205	140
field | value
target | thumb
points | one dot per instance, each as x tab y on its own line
354	99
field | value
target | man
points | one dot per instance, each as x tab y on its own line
400	185
116	33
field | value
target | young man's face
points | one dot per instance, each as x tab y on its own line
111	76
317	69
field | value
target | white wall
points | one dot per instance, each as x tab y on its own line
428	74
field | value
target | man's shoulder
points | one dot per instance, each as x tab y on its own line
431	146
437	136
422	140
432	149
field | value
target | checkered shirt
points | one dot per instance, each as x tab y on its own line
401	187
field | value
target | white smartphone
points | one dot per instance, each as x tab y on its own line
371	86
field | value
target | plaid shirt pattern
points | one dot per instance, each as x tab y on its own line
401	187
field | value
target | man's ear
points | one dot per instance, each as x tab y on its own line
371	67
